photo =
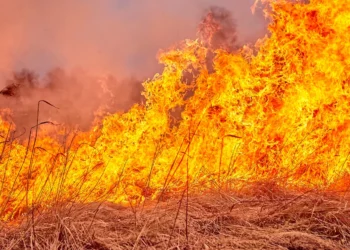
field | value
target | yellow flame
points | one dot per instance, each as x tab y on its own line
277	111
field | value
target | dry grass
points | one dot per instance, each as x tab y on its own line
261	217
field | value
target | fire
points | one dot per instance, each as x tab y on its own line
275	111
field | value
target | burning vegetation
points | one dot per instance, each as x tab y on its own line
276	112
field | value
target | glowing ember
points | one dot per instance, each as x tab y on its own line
279	111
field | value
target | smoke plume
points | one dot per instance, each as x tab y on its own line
218	29
88	57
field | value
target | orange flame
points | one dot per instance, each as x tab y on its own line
279	110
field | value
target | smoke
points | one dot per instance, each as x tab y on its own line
80	96
218	29
118	36
87	54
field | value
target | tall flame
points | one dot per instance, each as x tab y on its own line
277	111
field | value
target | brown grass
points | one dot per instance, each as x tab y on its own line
260	217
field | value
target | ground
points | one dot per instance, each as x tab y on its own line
263	218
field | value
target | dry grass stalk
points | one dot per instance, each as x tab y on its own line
214	221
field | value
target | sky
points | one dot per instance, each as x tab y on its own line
117	36
106	49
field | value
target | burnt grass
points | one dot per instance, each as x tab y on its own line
261	217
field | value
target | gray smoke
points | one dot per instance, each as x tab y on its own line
80	97
88	57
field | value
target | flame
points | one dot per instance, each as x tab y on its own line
277	111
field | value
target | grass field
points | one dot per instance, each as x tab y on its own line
261	217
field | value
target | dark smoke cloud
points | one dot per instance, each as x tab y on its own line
218	29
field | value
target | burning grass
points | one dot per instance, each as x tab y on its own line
259	219
275	111
278	111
